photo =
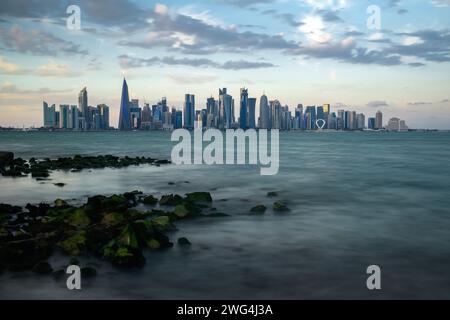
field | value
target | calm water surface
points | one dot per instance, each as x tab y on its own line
356	199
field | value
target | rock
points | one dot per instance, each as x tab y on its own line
184	242
60	185
6	158
39	210
181	211
75	244
59	203
150	200
74	262
259	209
272	194
88	272
43	268
125	257
9	209
40	174
170	200
78	218
25	254
217	215
171	183
113	219
280	207
199	197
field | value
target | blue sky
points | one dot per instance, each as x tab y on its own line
299	51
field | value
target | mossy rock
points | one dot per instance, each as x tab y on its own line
150	200
199	197
181	211
259	209
153	244
280	207
59	203
24	255
171	200
272	194
113	219
79	218
9	209
184	241
125	257
75	244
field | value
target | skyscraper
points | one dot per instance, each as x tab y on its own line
276	114
225	109
264	112
125	116
64	116
189	111
243	109
84	109
251	113
379	121
103	112
311	111
49	114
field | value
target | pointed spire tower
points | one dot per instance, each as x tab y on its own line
125	115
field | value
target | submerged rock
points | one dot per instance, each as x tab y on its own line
171	200
259	209
199	197
184	241
6	158
60	185
150	200
272	194
280	207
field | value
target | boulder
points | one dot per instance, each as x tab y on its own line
6	158
199	197
259	209
280	207
184	242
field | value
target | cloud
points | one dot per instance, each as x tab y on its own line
188	35
128	62
191	79
377	104
53	69
441	3
10	68
38	42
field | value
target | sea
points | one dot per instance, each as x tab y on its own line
356	199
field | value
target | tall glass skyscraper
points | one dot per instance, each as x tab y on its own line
251	113
244	109
189	111
84	109
125	116
264	113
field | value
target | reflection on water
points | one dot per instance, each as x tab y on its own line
356	199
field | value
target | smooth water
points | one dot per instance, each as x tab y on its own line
356	199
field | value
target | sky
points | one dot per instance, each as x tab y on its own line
387	55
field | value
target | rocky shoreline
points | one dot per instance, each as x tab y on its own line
41	168
110	228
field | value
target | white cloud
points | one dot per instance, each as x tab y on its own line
161	9
10	68
53	69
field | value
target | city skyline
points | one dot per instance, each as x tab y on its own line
306	52
219	114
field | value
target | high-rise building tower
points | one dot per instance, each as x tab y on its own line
243	109
189	111
264	113
64	116
84	109
226	109
49	114
379	120
125	116
251	116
